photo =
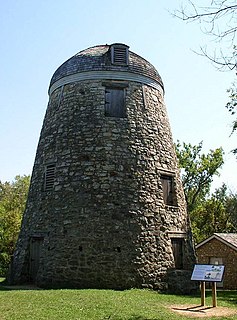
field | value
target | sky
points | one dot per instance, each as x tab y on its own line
38	36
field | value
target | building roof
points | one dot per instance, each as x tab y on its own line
98	58
229	239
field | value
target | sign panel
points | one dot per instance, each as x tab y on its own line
208	272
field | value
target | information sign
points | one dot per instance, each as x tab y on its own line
208	272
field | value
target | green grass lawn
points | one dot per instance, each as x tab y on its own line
99	304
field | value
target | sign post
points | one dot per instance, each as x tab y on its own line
208	273
202	293
214	298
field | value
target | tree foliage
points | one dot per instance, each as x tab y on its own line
197	171
232	108
209	213
12	204
217	213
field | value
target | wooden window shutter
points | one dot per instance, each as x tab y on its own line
119	55
167	188
177	247
115	103
49	177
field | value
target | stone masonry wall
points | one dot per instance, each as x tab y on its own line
104	224
215	248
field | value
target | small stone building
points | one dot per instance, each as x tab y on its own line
106	208
221	248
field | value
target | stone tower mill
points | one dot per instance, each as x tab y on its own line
106	207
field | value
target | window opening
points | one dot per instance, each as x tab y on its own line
119	54
177	247
115	103
168	187
49	177
216	260
34	256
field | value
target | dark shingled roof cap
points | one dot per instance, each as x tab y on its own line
98	58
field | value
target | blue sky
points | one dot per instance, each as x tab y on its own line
38	36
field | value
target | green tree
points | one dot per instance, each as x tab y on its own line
231	207
197	171
214	214
232	108
12	204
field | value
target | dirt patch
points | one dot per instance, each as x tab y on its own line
203	311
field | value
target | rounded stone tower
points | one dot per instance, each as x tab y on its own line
106	207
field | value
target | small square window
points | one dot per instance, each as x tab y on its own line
115	103
168	189
49	177
177	248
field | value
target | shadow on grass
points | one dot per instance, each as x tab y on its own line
134	317
141	318
227	296
4	286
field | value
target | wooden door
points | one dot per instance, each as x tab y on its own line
35	251
115	103
177	247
